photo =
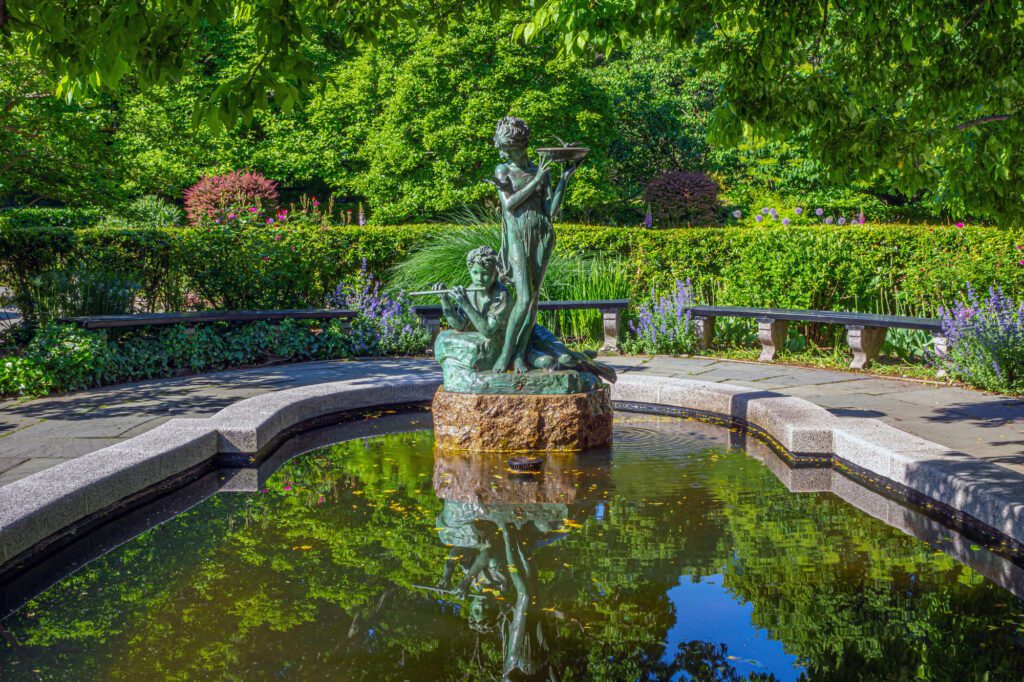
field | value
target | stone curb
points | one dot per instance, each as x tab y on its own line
38	506
987	492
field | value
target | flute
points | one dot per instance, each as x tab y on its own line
440	291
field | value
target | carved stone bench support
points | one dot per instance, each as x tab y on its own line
612	321
705	327
772	335
865	342
940	344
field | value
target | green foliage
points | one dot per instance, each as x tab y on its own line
587	279
833	267
67	358
77	292
927	94
661	107
411	120
73	218
70	358
404	124
52	149
146	212
24	377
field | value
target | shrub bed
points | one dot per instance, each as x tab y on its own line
916	268
64	357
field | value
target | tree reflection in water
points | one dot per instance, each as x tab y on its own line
340	570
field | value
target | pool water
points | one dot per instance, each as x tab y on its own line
671	555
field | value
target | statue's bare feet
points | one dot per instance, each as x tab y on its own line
501	365
521	367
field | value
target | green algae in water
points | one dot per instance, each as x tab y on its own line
673	556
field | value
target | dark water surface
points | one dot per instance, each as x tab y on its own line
672	556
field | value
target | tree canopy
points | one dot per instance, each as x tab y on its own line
929	93
925	96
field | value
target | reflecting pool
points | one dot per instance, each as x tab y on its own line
672	555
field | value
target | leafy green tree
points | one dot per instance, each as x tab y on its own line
929	92
52	150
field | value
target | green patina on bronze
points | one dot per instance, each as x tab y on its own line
491	331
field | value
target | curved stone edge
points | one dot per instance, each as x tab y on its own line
38	506
987	492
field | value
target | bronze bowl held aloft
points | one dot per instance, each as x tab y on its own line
564	154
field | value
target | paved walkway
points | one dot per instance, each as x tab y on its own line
41	433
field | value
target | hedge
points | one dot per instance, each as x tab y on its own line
824	267
74	218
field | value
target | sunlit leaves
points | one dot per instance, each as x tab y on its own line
874	86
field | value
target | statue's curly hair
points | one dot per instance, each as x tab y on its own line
482	255
512	131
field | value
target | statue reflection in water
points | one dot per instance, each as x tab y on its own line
493	526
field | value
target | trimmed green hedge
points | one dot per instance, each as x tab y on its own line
851	267
74	218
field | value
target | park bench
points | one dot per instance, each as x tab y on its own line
611	311
191	319
865	332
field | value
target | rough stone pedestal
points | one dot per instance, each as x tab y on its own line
510	423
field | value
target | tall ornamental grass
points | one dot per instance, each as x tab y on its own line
570	277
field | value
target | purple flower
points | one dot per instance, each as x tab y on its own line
959	224
861	219
649	219
737	214
759	218
785	221
829	220
253	209
231	216
798	210
819	212
765	210
270	221
842	220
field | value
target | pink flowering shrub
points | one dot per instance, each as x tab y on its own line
218	198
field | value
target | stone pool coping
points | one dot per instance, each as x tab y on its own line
40	506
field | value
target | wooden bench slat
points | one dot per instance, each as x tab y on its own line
434	310
156	319
820	316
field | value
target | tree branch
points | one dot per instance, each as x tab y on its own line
974	14
3	14
11	103
815	58
983	120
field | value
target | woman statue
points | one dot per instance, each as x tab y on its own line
528	206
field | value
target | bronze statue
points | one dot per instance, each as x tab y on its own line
528	208
478	318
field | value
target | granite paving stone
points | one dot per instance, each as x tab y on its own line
40	433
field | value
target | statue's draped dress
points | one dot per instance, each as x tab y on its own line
529	225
